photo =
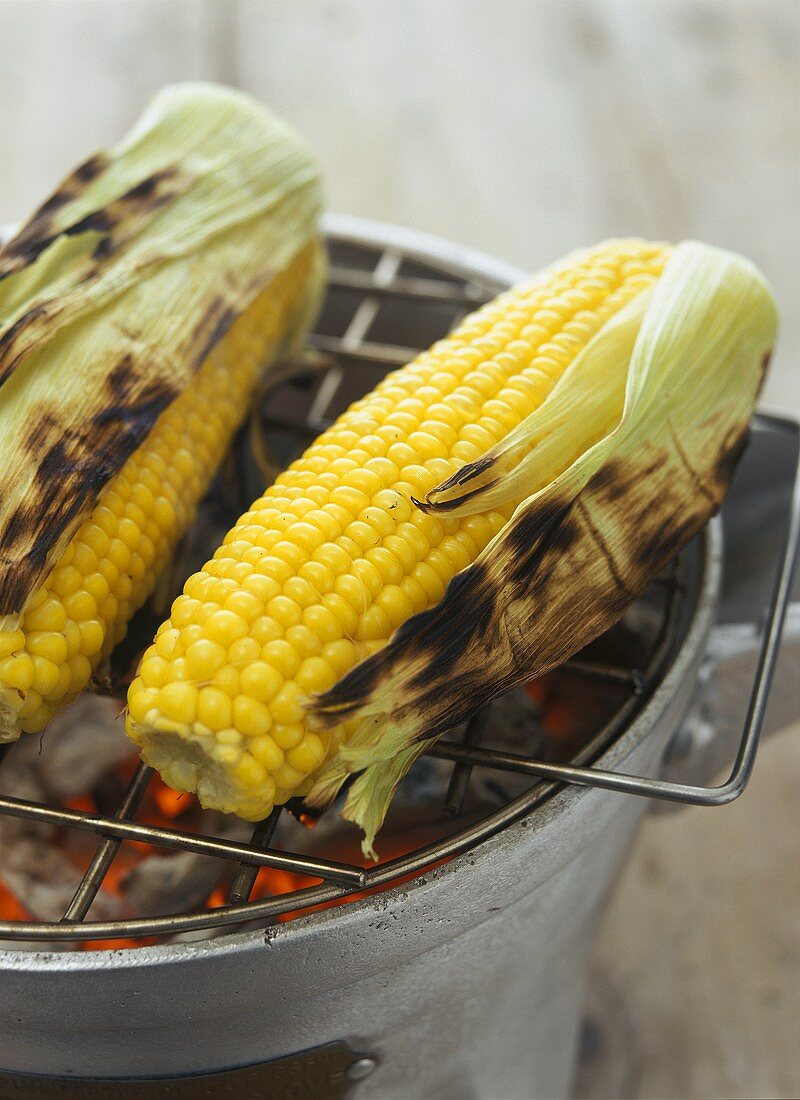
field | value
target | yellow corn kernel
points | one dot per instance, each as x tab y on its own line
267	752
17	671
178	700
251	718
11	641
214	708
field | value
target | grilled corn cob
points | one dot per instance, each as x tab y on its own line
479	517
139	308
335	556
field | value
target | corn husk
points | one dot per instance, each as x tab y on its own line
625	461
117	288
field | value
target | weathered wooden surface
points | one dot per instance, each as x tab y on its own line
703	942
523	127
526	128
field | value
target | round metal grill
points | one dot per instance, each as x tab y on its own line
385	302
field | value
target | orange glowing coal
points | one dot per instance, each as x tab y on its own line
164	807
10	908
161	806
272	881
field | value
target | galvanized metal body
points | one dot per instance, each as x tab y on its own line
464	983
467	982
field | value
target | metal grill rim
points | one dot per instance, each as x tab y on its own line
463	288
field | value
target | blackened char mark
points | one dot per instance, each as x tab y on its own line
18	578
16	528
432	637
90	169
71	186
98	221
138	416
439	640
8	341
56	464
123	377
101	251
147	192
145	197
470	616
21	251
443	636
440	506
39	232
121	382
534	530
209	331
60	495
462	476
40	431
617	477
150	194
351	692
69	478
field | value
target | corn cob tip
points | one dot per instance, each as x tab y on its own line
196	765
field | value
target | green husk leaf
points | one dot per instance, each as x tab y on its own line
591	531
117	288
554	447
370	796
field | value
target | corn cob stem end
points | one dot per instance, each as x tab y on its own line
10	728
195	762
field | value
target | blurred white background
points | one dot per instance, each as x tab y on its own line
522	127
525	128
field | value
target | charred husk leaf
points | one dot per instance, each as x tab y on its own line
117	289
670	383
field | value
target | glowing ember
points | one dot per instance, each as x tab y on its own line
43	865
10	908
171	803
29	775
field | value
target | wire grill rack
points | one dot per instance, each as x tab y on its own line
383	305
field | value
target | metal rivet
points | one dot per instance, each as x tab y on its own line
357	1071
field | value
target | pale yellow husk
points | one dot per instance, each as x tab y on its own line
623	463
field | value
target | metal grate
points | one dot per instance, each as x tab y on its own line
383	305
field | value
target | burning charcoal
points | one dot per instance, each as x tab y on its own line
20	777
82	745
159	885
178	882
42	876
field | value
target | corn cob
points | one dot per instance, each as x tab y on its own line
80	612
156	340
611	397
335	556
